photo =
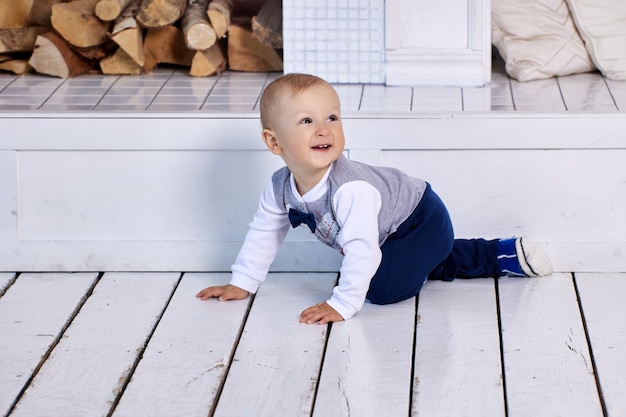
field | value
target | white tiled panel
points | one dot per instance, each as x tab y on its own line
342	41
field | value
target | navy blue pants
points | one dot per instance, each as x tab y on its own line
423	248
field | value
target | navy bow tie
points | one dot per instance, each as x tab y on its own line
296	217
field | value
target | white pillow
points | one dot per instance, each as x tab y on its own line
537	39
602	25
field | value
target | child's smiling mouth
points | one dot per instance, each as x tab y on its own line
321	147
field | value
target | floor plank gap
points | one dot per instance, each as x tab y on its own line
54	343
601	295
590	347
502	365
319	374
229	363
545	351
140	352
413	355
92	360
6	280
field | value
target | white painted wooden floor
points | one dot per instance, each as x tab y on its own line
141	344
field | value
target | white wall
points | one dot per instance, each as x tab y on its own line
177	193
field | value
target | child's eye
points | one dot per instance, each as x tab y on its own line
306	121
333	118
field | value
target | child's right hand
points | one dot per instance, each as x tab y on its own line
223	293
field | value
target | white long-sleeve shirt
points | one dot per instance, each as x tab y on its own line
356	209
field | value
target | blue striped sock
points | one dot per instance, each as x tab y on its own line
507	258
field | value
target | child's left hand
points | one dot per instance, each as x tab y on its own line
320	313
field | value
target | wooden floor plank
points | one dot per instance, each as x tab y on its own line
457	359
538	96
6	279
32	313
90	365
618	92
586	92
548	368
602	297
367	367
188	355
276	366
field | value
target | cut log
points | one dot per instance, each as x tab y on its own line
77	23
131	9
219	12
129	36
209	62
159	13
166	45
247	8
21	39
94	53
119	63
53	56
199	34
267	26
108	10
16	66
41	11
14	13
245	53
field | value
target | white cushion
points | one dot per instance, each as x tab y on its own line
602	25
538	39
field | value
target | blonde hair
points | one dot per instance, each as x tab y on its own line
292	84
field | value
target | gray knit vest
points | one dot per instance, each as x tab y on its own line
400	195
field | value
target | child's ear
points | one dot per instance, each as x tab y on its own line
271	142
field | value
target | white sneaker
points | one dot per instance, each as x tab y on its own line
533	260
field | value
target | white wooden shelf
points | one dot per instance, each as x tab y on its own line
162	172
172	91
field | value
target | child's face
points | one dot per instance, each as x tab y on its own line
307	131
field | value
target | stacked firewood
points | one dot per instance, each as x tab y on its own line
65	38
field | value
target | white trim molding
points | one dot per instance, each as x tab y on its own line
438	42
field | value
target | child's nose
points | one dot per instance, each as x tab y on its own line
322	130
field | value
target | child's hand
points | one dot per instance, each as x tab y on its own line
223	293
320	313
